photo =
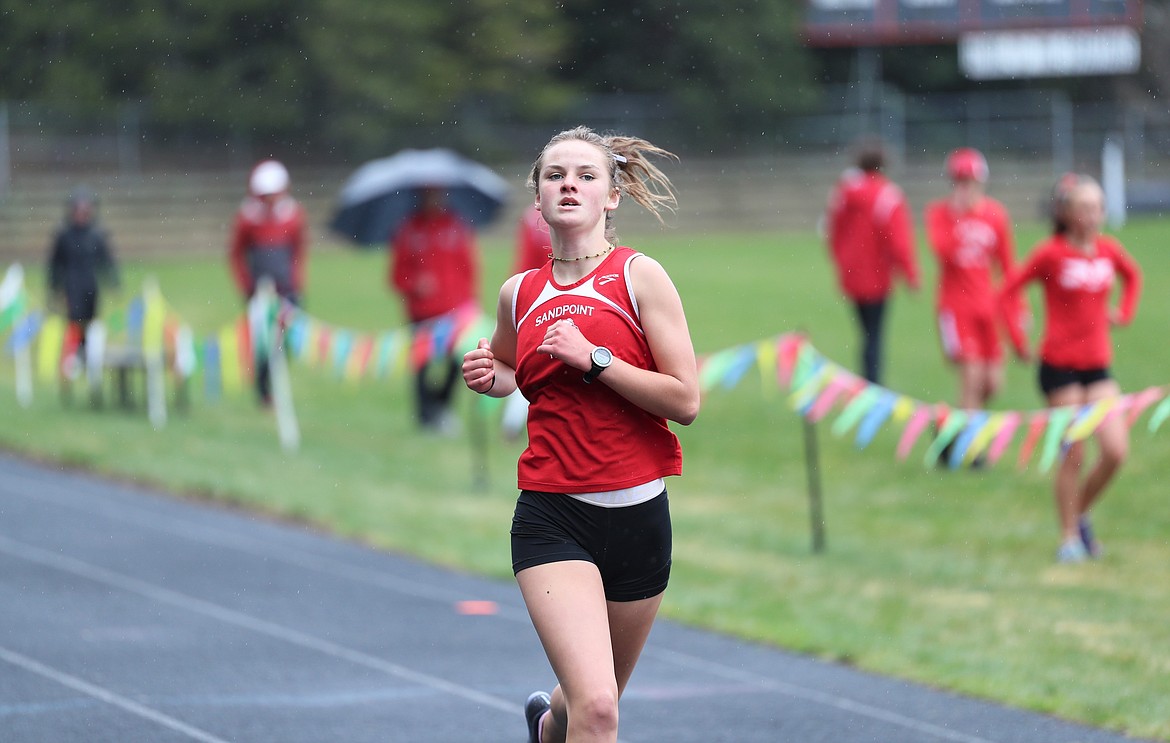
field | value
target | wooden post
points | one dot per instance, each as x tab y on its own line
480	431
24	375
813	472
267	331
153	365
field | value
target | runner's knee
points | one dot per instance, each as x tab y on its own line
1114	453
596	710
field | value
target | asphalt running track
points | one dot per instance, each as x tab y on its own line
126	615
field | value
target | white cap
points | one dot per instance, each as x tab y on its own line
269	177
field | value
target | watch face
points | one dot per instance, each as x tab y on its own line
602	356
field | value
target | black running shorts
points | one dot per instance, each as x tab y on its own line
1054	377
629	545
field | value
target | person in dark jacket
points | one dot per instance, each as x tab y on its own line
80	260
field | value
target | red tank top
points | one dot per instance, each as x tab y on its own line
585	438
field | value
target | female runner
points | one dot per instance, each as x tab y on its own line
597	340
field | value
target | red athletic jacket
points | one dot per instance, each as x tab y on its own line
585	438
533	241
434	264
1077	290
871	235
269	242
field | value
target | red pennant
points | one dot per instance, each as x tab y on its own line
420	349
244	335
1035	429
364	350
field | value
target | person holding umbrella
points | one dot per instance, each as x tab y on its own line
434	267
382	193
597	340
268	240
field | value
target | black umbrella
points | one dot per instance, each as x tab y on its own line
382	193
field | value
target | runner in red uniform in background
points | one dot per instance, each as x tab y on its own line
970	234
533	241
871	239
1078	268
268	239
434	266
533	248
597	340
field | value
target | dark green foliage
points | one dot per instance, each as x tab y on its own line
722	67
360	77
342	72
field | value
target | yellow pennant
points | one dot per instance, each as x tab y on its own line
984	437
229	359
49	348
1084	427
154	314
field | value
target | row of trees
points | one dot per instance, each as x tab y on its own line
341	73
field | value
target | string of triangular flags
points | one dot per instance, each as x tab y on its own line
226	358
354	355
13	298
146	323
818	386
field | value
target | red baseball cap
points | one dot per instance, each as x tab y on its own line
967	164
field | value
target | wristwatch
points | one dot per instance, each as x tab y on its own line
600	359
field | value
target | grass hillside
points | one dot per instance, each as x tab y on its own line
943	577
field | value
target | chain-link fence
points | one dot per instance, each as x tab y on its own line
773	177
1034	124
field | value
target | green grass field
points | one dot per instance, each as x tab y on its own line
942	577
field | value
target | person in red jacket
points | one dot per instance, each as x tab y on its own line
434	266
533	241
871	239
1078	268
970	234
597	339
533	248
268	240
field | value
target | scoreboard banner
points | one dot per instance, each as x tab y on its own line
887	22
990	55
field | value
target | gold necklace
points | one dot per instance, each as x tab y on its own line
582	257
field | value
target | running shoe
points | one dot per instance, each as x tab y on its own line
537	704
1088	539
1072	551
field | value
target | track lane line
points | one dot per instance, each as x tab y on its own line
235	618
212	535
811	695
105	695
292	556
